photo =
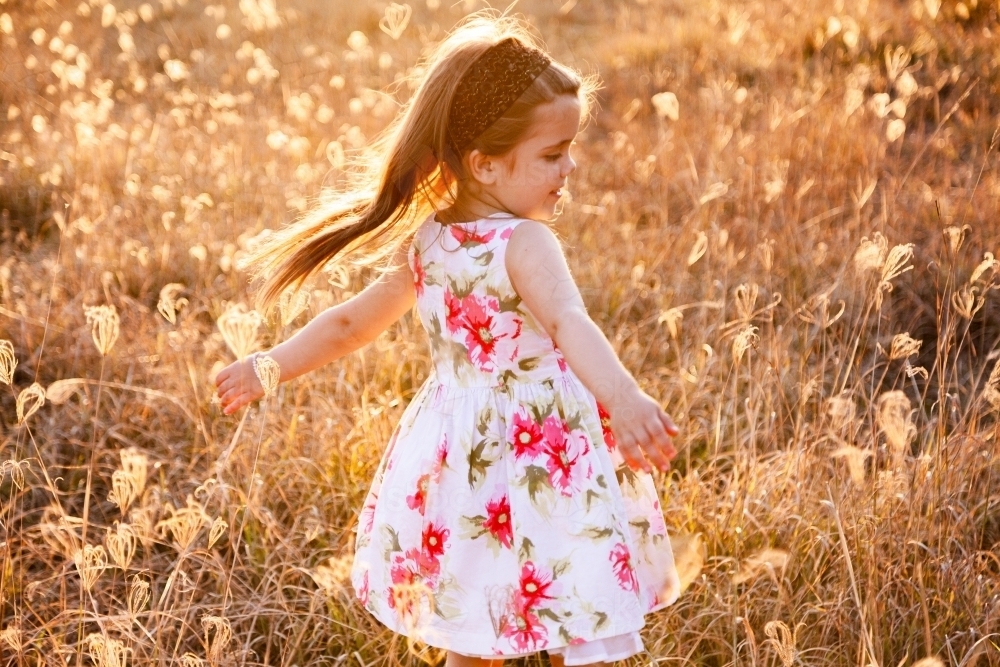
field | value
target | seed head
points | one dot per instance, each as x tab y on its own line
871	254
219	527
90	561
16	469
896	422
28	401
185	523
855	458
107	652
218	633
746	298
903	346
698	249
121	544
291	304
955	236
138	596
395	20
965	301
239	329
988	264
8	362
169	303
104	323
11	636
745	339
673	319
783	640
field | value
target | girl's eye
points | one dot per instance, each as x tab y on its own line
553	158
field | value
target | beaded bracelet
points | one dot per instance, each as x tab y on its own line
268	372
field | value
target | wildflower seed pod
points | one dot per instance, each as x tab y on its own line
105	324
121	544
239	329
783	640
395	20
218	633
123	490
219	527
90	561
871	253
191	660
168	303
107	652
744	340
16	469
855	457
11	636
8	362
291	304
903	346
28	401
138	596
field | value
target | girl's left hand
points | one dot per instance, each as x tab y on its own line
237	385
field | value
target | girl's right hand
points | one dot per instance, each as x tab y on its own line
237	385
643	432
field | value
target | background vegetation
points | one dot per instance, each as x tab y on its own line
785	218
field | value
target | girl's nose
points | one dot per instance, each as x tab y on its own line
570	167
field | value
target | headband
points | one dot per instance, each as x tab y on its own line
490	87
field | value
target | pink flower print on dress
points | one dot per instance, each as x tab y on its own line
453	308
419	276
487	331
525	436
498	520
525	630
609	437
433	542
367	518
560	359
564	466
621	561
440	458
364	591
534	585
471	237
418	500
405	581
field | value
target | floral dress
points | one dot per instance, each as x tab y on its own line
502	520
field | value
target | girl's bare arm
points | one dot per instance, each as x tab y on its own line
332	334
538	271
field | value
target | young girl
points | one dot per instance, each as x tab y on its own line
513	509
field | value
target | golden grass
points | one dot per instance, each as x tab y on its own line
802	203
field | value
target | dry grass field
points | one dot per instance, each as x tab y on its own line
786	219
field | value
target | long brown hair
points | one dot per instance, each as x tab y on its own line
411	169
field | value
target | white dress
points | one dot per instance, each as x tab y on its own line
502	520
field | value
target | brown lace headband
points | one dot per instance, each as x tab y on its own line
493	83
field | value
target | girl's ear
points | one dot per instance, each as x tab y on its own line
482	167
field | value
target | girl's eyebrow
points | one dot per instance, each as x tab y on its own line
561	143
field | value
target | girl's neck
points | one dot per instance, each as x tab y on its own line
468	209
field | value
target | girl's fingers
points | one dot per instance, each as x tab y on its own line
654	450
669	424
632	455
237	402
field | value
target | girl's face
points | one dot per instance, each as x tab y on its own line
530	179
